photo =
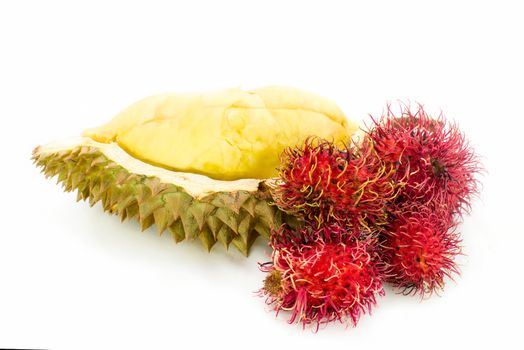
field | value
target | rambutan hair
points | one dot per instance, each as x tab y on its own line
331	277
418	251
286	236
323	183
431	156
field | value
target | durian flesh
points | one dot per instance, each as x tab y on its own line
231	134
150	162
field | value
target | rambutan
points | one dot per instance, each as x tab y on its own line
322	183
418	250
331	277
432	158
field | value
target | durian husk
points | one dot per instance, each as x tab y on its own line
189	206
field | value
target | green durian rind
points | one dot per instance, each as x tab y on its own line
236	217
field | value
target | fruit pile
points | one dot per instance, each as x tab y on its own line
343	215
384	209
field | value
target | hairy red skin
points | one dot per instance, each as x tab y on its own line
418	251
432	158
322	183
328	277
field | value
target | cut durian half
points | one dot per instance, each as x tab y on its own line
129	164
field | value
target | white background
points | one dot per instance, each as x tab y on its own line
72	277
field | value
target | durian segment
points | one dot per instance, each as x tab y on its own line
195	207
229	134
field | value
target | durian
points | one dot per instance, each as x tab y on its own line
199	165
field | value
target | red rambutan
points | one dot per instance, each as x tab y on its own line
328	278
418	250
322	183
432	159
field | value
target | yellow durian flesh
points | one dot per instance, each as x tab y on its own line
228	135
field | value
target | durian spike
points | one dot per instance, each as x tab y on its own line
190	206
